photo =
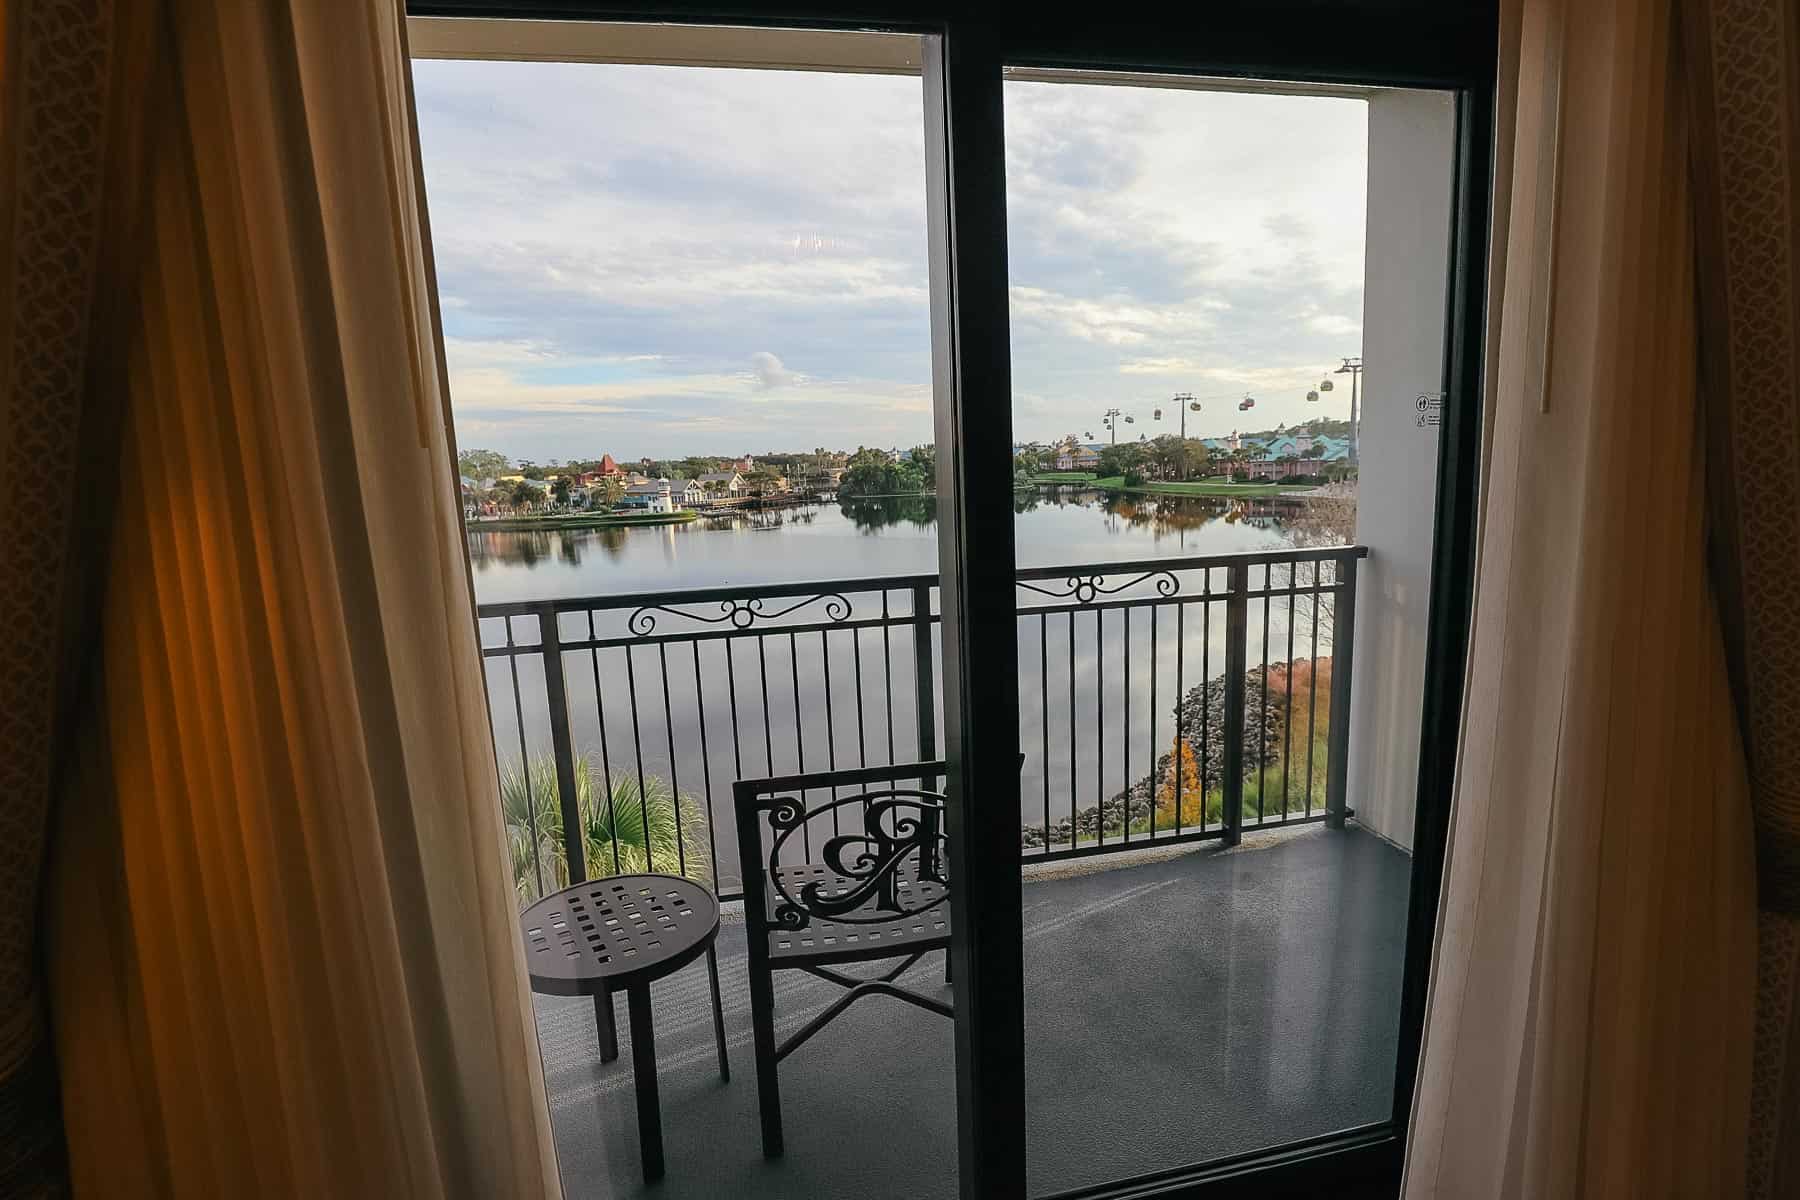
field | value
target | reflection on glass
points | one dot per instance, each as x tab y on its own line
1215	806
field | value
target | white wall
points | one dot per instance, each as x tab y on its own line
1411	136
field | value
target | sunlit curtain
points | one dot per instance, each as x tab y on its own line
1590	1021
279	928
1743	60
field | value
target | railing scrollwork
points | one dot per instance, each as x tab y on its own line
739	614
1086	589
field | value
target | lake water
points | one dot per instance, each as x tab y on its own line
1055	527
1098	687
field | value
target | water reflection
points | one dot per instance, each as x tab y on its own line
894	535
1318	522
528	548
873	513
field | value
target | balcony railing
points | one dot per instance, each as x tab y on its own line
1161	701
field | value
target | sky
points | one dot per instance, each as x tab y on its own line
665	261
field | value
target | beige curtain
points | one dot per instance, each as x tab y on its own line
280	934
1590	1027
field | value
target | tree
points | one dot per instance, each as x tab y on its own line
924	458
612	489
1192	810
1197	459
1323	520
623	829
872	473
523	495
560	489
1121	460
481	464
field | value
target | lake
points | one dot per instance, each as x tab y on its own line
894	536
1097	686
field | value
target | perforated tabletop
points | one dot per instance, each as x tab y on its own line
605	934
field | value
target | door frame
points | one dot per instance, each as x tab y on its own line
1449	45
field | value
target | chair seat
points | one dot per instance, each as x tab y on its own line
866	931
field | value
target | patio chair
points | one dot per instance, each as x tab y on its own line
859	878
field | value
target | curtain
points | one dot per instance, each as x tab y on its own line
53	123
279	937
1590	1021
1743	72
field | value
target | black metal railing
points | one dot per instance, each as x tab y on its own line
1169	700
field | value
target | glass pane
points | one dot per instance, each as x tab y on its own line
687	323
1224	529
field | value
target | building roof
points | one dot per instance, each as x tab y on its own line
719	476
650	487
1323	447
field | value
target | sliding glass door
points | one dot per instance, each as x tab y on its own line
1228	334
1046	649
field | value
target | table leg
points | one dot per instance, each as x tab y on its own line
643	1070
712	969
607	1026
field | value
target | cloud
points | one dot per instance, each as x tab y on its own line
769	372
619	246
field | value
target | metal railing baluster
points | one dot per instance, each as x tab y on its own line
537	858
1312	698
1262	712
712	842
1343	638
562	747
924	685
1287	719
1100	724
1044	716
1237	651
760	613
612	822
1180	732
662	654
637	751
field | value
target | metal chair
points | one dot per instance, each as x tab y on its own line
877	888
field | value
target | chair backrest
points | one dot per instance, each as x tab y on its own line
871	846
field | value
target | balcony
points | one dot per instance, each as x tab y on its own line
1205	916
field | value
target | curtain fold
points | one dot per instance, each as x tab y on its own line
1589	1030
280	936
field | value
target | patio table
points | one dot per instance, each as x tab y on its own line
619	934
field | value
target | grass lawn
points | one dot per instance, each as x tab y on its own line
1215	486
1063	477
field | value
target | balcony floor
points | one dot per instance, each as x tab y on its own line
1189	1008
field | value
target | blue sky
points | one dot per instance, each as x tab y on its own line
666	261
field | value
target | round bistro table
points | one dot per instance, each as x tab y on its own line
618	934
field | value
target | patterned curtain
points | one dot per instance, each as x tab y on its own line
1743	67
58	57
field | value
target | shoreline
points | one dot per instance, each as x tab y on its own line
1116	483
603	521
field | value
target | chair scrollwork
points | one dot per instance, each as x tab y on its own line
872	868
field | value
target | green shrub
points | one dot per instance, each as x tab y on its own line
621	832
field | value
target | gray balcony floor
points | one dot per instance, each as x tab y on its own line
1199	1006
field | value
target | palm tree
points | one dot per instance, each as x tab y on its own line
622	831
